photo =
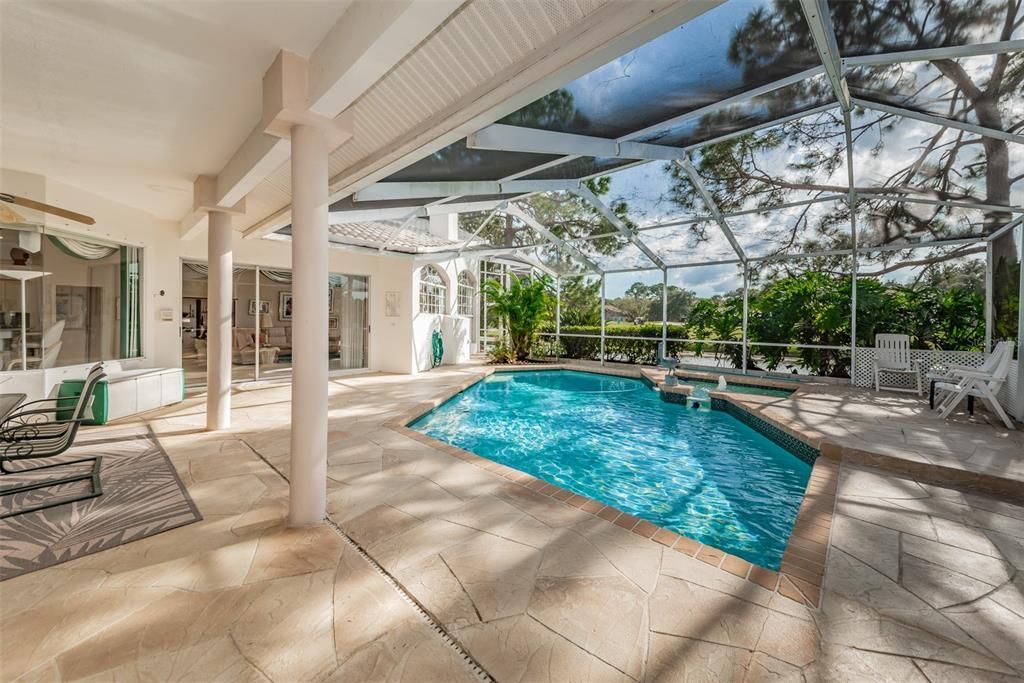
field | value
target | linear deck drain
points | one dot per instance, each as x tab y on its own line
474	666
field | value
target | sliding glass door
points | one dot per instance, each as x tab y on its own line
261	323
348	322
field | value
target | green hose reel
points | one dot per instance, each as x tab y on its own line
437	345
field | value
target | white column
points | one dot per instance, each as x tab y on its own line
558	316
746	314
989	274
664	311
307	504
602	317
218	321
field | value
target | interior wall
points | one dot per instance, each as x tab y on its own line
399	339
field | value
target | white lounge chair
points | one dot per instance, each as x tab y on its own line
983	383
892	355
46	361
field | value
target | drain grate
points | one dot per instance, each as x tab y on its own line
474	666
426	616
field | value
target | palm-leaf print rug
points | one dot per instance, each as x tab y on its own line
142	496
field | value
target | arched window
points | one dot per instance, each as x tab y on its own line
466	292
433	290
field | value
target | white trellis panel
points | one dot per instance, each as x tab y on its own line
1010	395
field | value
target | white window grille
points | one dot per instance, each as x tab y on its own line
433	291
466	292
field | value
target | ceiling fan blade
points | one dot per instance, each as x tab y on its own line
47	208
11	216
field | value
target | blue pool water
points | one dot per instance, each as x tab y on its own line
703	474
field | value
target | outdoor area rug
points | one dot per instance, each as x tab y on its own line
142	496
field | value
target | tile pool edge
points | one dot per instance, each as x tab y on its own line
802	569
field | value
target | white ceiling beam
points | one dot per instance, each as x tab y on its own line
603	35
585	192
468	206
369	39
712	205
530	186
927	55
465	188
541	167
419	190
359	215
819	19
552	237
505	138
939	120
254	160
193	224
203	202
366	42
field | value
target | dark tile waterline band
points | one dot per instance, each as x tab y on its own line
802	569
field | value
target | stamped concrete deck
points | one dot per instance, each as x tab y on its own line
922	583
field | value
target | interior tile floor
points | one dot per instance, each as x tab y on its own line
923	582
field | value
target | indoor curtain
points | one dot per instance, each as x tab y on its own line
131	302
204	270
89	251
353	323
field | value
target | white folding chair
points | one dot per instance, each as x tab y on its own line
983	383
892	355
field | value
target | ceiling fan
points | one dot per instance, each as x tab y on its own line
9	215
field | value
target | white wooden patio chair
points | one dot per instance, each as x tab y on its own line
892	355
983	383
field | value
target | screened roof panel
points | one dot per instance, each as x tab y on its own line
458	162
702	241
792	99
556	259
923	87
581	167
793	230
653	193
565	214
793	161
617	254
864	28
898	155
502	230
733	47
886	223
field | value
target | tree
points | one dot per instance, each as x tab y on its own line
523	307
581	301
945	163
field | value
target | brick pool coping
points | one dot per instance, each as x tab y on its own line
802	569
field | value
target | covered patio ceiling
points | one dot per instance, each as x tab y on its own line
747	134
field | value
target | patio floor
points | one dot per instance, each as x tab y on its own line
922	581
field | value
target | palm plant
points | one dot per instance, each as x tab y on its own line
522	307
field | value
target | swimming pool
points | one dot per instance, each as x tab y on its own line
702	474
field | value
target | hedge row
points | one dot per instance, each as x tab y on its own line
643	351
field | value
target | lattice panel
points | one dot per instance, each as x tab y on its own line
865	376
1010	395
